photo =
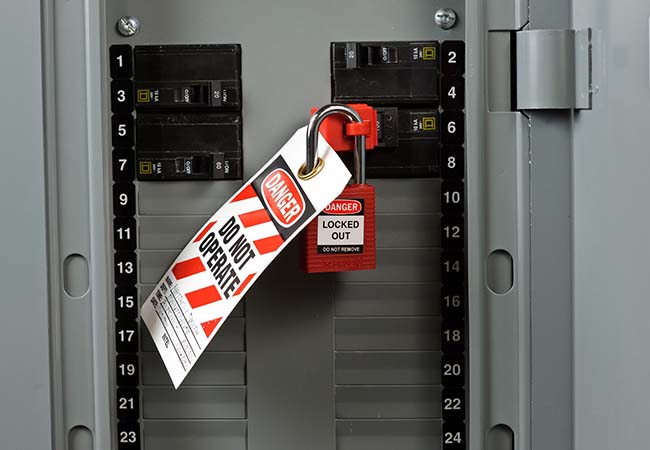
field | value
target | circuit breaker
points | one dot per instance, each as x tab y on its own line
461	339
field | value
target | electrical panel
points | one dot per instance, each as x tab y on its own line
399	330
177	116
139	111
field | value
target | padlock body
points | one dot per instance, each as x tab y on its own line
342	237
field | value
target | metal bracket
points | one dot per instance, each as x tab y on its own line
554	69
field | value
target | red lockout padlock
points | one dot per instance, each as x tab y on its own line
342	237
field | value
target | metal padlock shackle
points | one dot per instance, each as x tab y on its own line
314	164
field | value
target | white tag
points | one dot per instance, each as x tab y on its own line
228	254
340	227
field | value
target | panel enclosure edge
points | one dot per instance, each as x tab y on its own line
77	207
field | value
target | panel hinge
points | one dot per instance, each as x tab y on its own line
553	69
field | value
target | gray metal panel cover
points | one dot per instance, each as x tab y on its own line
611	223
25	421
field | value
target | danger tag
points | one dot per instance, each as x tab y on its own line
228	254
340	227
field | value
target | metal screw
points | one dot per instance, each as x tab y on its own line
128	25
446	18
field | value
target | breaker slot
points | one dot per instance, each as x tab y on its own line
188	77
385	73
188	147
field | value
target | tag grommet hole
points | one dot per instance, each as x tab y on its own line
317	169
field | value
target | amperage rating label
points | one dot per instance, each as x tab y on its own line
340	227
228	254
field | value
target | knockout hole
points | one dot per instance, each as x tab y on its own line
500	272
75	275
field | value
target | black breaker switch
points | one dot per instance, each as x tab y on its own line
209	94
385	73
206	166
188	147
374	55
188	77
195	165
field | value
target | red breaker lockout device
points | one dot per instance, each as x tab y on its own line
339	132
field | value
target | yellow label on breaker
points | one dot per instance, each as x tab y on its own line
429	53
144	96
429	123
145	168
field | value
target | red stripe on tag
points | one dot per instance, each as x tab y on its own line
269	244
204	231
202	297
247	193
209	326
255	218
242	286
188	268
